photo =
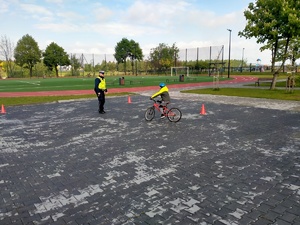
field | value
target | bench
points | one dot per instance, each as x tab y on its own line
131	82
110	83
191	78
113	82
171	80
260	80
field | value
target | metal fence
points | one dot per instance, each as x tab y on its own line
212	54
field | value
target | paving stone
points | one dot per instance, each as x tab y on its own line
84	220
100	217
282	199
246	220
69	223
254	214
295	209
279	209
272	202
264	207
281	222
154	220
223	212
288	217
17	221
220	223
286	192
233	206
6	221
261	221
272	216
296	221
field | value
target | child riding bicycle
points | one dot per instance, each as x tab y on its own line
165	97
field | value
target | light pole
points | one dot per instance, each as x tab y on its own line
135	59
242	60
229	52
124	57
132	62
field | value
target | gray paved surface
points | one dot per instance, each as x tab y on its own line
63	163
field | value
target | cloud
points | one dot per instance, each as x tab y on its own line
58	27
154	13
55	1
4	6
35	10
70	16
102	14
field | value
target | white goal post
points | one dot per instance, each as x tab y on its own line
183	70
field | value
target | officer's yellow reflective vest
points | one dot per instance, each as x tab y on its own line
102	84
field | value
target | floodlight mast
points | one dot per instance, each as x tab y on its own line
229	52
242	60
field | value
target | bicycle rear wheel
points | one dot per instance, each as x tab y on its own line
174	114
150	113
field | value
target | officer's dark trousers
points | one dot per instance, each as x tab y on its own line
101	100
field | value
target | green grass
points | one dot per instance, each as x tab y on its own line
47	99
80	83
250	92
268	84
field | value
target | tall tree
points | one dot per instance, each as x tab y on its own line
27	53
7	52
55	56
294	51
135	54
75	63
128	48
273	23
163	57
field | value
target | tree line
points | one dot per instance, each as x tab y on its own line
128	54
276	25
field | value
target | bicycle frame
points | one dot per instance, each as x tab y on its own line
156	105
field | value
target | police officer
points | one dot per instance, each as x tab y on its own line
100	90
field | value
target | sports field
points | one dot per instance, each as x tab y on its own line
85	83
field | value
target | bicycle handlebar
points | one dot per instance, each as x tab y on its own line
159	101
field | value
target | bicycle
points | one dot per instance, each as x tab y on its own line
173	114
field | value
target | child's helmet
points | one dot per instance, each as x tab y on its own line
162	85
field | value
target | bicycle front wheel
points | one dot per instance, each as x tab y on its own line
174	114
150	113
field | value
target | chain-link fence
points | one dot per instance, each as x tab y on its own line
199	60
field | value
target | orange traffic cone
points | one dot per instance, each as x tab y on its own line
129	99
3	109
203	112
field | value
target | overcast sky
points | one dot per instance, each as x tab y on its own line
90	26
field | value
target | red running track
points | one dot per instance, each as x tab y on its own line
236	80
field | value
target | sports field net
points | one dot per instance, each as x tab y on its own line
181	70
212	55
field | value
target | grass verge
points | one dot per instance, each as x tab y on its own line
46	99
250	92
